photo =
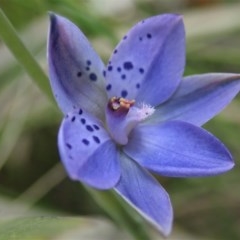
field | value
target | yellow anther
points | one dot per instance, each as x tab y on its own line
125	105
120	103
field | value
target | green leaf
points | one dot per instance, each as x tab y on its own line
52	228
25	58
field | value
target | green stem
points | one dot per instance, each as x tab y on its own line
110	203
16	46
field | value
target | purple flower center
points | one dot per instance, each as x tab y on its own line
122	115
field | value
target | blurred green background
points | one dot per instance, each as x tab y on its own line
32	182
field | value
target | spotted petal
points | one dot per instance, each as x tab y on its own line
148	63
145	194
199	98
87	152
178	149
75	69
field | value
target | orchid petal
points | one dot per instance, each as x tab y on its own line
148	63
145	194
87	152
199	98
178	149
76	71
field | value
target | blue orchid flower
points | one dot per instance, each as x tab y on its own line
137	114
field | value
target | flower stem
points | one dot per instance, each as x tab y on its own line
24	57
108	201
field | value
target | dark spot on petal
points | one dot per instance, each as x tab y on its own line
143	21
89	128
87	68
108	87
83	121
125	37
115	51
110	68
124	93
85	141
80	111
137	85
66	116
123	76
96	126
93	76
119	69
140	39
96	139
149	35
79	74
69	145
128	65
89	62
73	118
141	70
104	73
